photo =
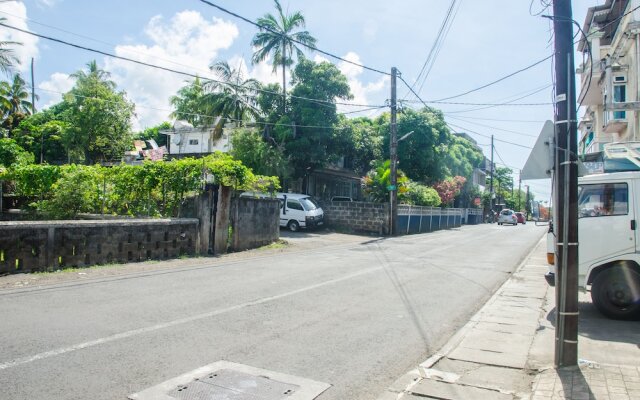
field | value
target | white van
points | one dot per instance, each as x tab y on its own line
609	250
296	210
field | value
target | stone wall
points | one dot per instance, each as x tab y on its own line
357	216
256	222
50	245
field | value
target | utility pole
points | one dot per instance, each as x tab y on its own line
566	189
393	152
519	188
527	208
33	111
491	185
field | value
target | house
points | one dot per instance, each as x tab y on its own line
610	89
186	140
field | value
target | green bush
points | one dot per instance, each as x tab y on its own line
421	195
155	189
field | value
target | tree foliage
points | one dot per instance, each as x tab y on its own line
11	154
249	146
421	195
279	37
449	188
376	183
152	189
309	145
99	118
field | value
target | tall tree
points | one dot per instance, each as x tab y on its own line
8	58
14	102
188	104
279	36
310	128
99	118
232	96
93	72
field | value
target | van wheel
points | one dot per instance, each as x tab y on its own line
293	226
616	293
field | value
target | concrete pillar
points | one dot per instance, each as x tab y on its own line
222	220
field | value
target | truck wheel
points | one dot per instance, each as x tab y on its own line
293	226
616	293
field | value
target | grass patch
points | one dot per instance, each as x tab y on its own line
279	244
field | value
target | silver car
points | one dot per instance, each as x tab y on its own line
507	217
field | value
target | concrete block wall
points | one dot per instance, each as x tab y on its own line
256	223
49	245
357	216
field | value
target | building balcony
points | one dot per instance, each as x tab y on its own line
590	92
615	126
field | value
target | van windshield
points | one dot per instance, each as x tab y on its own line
309	204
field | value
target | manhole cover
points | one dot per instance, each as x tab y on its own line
229	381
230	384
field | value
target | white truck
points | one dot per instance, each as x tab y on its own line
609	246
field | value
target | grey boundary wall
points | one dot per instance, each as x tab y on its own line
256	222
27	246
357	216
374	217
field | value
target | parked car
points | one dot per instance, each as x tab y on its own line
507	217
522	219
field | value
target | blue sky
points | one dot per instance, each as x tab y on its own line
487	40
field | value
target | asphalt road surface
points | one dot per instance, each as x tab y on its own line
356	314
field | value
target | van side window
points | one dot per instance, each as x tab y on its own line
294	205
603	199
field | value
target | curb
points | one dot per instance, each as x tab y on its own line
411	378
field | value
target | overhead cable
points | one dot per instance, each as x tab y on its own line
224	10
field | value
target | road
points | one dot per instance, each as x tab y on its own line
356	314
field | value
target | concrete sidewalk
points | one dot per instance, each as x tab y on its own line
506	350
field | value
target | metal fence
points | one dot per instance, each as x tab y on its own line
417	219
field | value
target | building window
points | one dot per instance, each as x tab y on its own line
619	95
193	142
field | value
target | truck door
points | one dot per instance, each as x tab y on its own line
606	221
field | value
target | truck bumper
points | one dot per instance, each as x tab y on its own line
550	277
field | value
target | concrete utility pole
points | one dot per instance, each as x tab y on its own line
393	152
519	188
491	185
566	189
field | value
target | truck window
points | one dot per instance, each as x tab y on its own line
603	199
294	205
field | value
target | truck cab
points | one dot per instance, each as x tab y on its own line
608	252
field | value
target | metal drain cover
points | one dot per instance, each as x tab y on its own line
229	381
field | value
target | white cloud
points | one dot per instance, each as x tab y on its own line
16	13
187	42
46	3
362	92
53	88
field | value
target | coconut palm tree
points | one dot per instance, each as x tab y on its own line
7	56
232	96
14	96
278	36
93	72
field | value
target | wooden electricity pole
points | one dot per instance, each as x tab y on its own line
566	189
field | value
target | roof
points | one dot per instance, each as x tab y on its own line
605	15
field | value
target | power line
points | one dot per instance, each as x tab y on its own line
101	41
435	48
224	10
197	114
450	124
497	80
497	129
537	121
506	102
159	67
